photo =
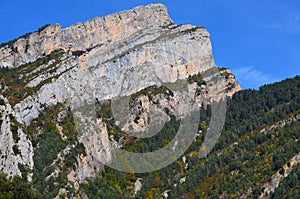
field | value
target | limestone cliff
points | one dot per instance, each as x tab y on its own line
54	70
87	35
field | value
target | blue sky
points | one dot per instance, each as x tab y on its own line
259	40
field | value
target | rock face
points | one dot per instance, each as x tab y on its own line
103	58
15	147
84	36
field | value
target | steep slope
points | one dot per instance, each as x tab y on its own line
48	75
52	80
257	150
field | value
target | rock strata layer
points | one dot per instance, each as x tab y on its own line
101	59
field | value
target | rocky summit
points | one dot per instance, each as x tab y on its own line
50	66
49	76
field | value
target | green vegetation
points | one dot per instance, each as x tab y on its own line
132	144
108	185
196	78
290	186
250	150
245	157
103	110
16	80
3	71
2	102
50	144
17	187
251	109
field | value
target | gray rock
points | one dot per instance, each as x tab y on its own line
104	58
82	36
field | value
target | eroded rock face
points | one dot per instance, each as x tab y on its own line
103	58
168	53
15	149
83	36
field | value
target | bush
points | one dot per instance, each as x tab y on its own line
16	187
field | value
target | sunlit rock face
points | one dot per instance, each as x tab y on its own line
83	36
105	57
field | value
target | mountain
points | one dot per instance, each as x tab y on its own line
132	105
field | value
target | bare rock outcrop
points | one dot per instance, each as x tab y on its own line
103	58
84	36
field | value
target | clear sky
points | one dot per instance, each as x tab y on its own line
259	40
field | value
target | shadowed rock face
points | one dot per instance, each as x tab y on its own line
105	57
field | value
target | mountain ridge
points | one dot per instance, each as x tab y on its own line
49	87
141	47
82	35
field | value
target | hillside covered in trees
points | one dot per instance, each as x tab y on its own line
260	137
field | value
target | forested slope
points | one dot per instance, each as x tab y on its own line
260	136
